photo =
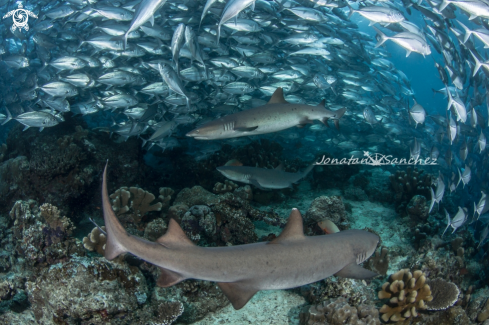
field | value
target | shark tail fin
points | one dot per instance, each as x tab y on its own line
114	229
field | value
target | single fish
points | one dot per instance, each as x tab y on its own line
417	113
457	221
37	119
465	176
479	208
276	115
438	196
289	261
409	41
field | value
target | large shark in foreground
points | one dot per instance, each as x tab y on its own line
263	178
289	261
276	115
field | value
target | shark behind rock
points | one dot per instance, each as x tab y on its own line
263	178
276	115
289	261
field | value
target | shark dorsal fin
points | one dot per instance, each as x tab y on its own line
280	167
278	97
293	229
237	293
322	103
175	236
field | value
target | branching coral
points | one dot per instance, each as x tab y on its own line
132	204
445	294
221	188
165	197
410	183
380	262
407	293
95	241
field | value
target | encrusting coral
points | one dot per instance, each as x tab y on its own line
339	312
132	204
407	292
95	241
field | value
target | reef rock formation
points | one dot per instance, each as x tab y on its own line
339	312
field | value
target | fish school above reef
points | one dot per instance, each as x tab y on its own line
213	121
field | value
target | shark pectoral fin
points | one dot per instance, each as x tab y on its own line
174	236
257	184
325	121
238	293
293	229
337	124
168	278
244	129
354	271
278	97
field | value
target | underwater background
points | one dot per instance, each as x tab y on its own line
74	96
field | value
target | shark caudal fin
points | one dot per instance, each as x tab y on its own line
114	229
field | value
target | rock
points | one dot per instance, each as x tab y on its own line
196	195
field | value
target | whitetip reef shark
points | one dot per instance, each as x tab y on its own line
277	115
264	178
289	261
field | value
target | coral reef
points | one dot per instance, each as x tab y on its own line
339	312
244	192
221	188
155	229
62	165
407	293
418	209
445	294
95	241
409	183
327	207
196	195
132	204
98	292
379	262
37	241
165	197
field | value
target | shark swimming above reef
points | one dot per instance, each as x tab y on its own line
289	261
277	115
263	178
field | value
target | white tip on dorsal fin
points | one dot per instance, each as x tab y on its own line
175	236
280	167
293	229
278	97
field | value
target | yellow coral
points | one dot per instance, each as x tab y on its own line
407	293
